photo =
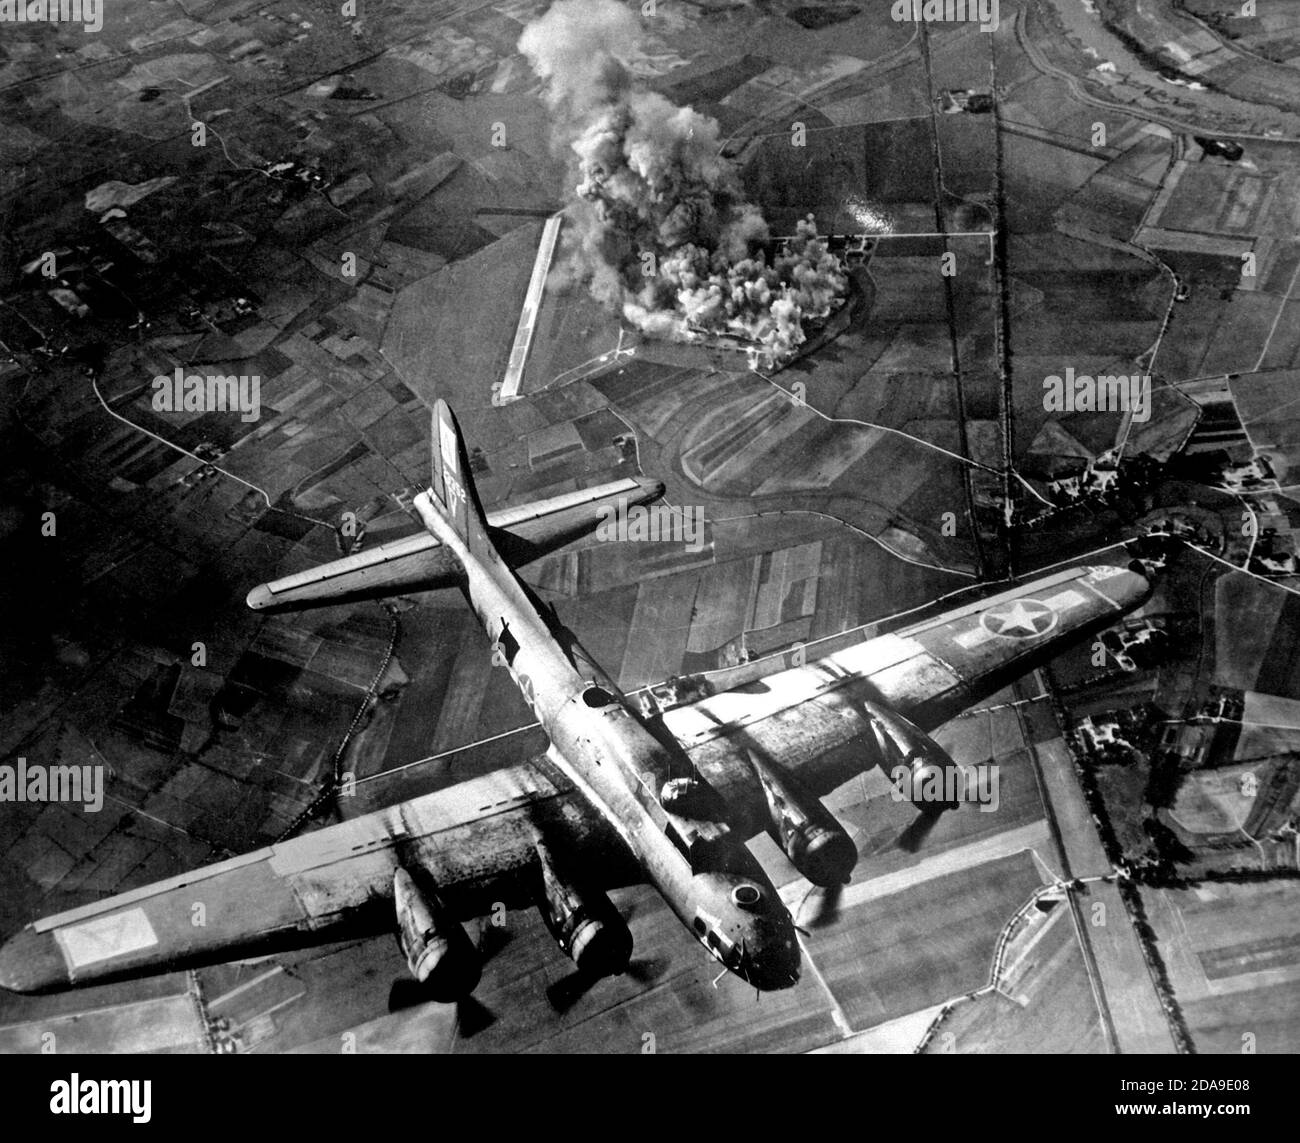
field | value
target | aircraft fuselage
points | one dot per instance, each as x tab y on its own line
711	881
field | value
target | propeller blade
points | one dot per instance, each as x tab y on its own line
827	907
647	971
492	939
405	993
473	1016
564	994
915	835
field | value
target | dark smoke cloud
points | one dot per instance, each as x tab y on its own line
663	229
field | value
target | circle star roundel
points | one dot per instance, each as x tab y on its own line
1020	619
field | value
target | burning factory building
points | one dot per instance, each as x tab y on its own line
659	227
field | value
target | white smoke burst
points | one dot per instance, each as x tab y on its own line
663	228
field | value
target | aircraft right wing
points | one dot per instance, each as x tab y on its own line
476	841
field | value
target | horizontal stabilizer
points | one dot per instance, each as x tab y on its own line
420	563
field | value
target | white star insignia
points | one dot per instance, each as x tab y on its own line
1024	619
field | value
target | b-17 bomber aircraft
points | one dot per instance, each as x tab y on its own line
665	793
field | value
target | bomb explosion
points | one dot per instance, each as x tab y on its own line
663	229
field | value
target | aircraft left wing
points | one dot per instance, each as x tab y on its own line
476	841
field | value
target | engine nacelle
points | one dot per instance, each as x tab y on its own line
583	921
808	835
903	743
438	951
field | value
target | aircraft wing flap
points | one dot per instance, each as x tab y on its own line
475	839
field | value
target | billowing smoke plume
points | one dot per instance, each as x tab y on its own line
663	227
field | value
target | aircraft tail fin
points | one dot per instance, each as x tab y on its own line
453	483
